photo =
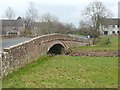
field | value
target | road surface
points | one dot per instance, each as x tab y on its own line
4	43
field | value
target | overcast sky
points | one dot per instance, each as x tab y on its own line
68	11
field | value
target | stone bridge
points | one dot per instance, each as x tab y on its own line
21	54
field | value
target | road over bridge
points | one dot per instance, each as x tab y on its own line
21	54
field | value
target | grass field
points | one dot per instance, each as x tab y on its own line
101	46
66	72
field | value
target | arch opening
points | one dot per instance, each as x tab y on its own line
56	49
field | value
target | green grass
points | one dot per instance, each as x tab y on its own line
66	72
101	46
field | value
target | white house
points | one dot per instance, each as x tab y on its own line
111	27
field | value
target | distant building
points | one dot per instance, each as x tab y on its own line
18	27
10	27
111	26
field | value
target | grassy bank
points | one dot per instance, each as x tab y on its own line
66	72
101	45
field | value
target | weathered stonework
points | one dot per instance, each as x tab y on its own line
19	55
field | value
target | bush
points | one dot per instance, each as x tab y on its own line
94	34
95	40
107	41
89	31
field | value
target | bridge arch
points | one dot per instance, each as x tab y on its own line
57	47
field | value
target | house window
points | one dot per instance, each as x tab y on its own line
118	26
105	32
113	32
118	32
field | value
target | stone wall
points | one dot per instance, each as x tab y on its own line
19	55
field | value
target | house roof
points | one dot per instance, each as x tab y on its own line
12	22
112	21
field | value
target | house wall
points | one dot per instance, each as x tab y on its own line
12	25
110	29
35	31
6	29
0	27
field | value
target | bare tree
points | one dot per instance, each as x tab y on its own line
31	17
49	23
32	12
47	17
69	28
9	13
97	12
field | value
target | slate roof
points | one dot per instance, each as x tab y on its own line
112	21
12	23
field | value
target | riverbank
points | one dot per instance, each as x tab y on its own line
93	53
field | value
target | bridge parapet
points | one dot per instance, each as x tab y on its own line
51	37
